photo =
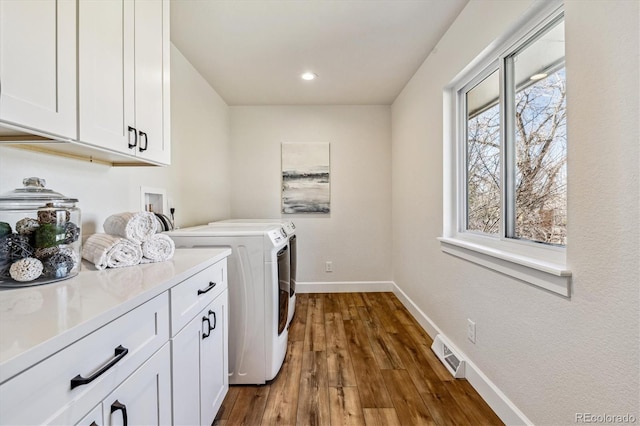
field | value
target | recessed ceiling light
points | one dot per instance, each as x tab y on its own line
540	76
309	76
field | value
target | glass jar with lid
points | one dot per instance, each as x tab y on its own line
40	235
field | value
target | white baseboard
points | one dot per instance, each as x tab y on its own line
498	401
344	287
429	326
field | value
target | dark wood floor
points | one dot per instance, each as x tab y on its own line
357	359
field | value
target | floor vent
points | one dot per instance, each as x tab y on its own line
451	360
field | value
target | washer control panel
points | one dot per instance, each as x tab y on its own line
289	227
277	236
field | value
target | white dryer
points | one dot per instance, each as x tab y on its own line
258	281
290	229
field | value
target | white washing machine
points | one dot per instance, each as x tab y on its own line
258	281
290	229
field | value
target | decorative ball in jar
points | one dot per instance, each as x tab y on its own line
40	235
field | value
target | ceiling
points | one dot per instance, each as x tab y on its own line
252	52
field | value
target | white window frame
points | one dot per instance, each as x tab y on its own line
538	264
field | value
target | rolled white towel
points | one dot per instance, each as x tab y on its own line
158	249
110	251
137	227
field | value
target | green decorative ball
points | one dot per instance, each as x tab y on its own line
49	235
5	229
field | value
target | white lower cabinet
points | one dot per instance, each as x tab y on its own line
200	365
149	366
214	362
143	399
68	384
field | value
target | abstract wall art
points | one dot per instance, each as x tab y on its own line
305	178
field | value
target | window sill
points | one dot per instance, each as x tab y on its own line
550	276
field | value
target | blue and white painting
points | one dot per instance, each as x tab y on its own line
305	178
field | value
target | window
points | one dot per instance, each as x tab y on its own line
508	152
483	148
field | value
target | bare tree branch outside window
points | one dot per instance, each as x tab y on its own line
483	171
541	161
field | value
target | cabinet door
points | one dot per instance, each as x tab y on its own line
38	65
214	365
185	358
106	74
200	367
145	397
151	83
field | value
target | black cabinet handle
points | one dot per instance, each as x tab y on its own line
117	405
207	333
214	319
211	285
146	141
135	137
120	353
93	423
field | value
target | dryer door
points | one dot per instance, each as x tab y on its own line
293	245
284	282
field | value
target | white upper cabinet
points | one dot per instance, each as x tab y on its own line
106	93
152	49
38	66
123	64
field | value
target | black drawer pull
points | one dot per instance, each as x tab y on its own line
215	321
211	285
207	333
146	141
117	405
135	137
120	352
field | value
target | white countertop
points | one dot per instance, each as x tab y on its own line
38	321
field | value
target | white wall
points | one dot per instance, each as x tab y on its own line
551	356
356	236
197	181
200	143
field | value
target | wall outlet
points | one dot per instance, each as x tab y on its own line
471	331
328	266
